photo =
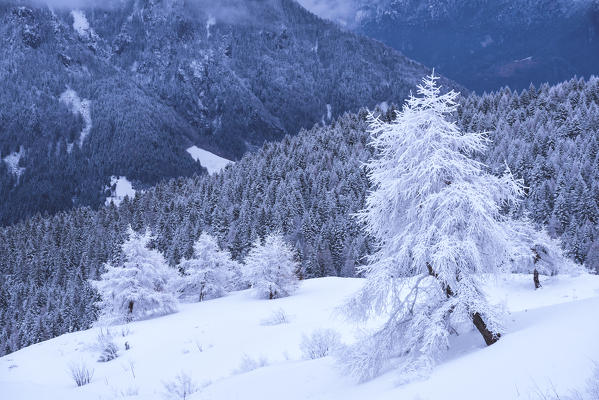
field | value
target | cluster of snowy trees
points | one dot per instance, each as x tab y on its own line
308	188
144	285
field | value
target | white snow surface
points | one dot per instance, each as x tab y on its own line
81	24
549	344
123	189
81	107
210	161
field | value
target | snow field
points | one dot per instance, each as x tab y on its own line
549	345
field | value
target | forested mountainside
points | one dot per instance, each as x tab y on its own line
307	187
487	44
123	88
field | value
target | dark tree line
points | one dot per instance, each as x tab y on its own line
158	81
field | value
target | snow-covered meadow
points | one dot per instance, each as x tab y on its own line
243	347
210	161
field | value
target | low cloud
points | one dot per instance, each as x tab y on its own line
73	4
343	11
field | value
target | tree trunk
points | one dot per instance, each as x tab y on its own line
535	274
477	319
130	306
489	336
535	278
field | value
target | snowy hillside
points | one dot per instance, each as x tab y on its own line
233	348
210	161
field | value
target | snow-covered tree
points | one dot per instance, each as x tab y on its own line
539	253
435	214
209	273
140	287
270	268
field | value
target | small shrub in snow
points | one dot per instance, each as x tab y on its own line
248	364
270	268
593	384
81	374
109	353
320	343
277	317
181	387
108	349
125	393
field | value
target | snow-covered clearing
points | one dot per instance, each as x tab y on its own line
550	344
210	161
123	188
12	162
81	24
78	106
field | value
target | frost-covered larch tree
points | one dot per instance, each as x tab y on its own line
140	287
209	273
435	214
270	268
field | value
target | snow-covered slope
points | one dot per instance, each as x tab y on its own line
550	344
210	161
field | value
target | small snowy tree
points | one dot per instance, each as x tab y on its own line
209	273
139	288
539	254
435	215
270	268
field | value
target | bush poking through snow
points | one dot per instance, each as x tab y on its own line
181	387
108	349
321	343
277	317
81	373
590	392
248	364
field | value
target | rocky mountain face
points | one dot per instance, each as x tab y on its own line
123	88
486	44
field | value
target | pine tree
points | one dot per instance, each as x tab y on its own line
138	289
435	215
270	268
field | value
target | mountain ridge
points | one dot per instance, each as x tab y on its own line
162	76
